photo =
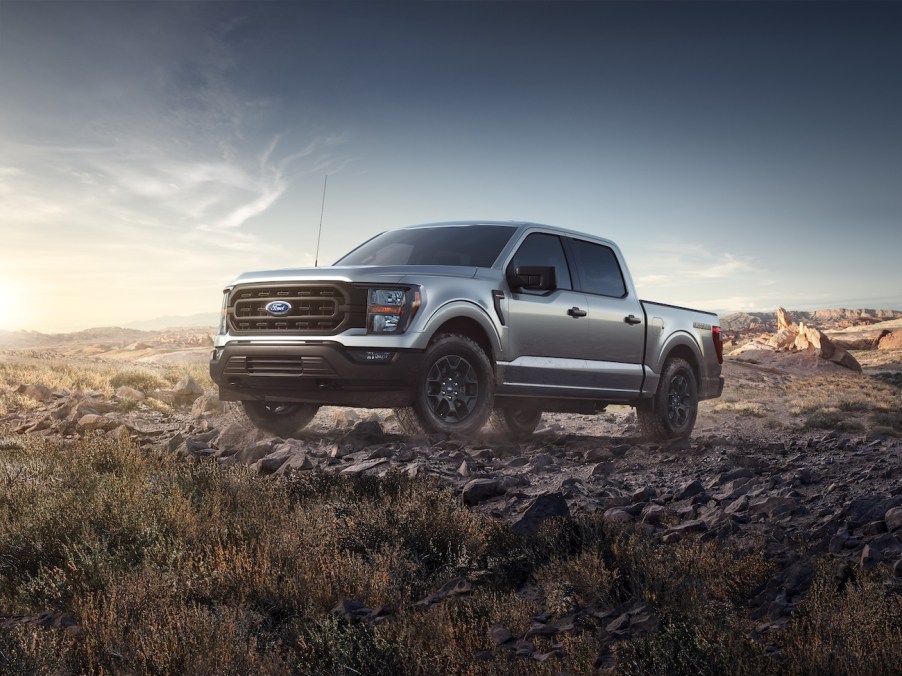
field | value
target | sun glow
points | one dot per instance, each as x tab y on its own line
9	306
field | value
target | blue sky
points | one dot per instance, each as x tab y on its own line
744	155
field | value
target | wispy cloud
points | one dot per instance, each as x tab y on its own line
163	189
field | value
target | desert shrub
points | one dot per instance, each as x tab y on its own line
684	644
200	371
141	379
332	646
56	375
11	401
832	420
854	405
583	580
856	629
887	419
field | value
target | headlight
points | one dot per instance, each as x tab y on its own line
390	310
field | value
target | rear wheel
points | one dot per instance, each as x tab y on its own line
671	413
456	388
518	423
283	419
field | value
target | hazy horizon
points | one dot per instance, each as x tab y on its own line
743	155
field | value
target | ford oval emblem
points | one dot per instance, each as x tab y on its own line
278	308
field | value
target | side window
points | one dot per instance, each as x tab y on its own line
545	250
599	271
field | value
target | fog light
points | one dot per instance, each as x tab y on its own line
378	355
217	353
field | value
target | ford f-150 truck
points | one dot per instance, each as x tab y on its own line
454	324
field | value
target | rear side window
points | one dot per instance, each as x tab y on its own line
539	249
598	268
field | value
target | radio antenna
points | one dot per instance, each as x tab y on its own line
319	234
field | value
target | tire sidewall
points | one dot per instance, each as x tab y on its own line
518	423
284	425
673	368
454	345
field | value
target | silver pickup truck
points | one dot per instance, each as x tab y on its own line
454	324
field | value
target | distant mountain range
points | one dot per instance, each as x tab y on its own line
838	318
172	322
150	329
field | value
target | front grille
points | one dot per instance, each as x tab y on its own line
316	309
269	365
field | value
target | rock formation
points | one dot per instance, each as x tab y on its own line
805	338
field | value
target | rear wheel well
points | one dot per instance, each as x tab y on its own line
463	326
684	352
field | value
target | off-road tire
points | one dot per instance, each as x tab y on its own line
283	419
517	423
408	421
671	412
456	388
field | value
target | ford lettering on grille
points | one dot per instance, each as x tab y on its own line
278	308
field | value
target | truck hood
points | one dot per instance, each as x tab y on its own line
355	273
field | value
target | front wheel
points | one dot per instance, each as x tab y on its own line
671	413
456	388
281	419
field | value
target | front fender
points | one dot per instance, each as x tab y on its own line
461	309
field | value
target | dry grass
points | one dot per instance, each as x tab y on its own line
855	628
752	409
184	567
187	567
846	403
90	376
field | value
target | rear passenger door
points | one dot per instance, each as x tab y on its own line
616	321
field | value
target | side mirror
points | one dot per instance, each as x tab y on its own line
533	277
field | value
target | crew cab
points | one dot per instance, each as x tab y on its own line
454	324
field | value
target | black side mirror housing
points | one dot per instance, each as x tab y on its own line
533	277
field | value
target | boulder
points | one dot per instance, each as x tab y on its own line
36	392
891	341
893	519
813	339
126	393
545	506
186	391
477	490
91	422
208	403
781	339
364	434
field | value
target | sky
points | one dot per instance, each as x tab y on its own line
744	156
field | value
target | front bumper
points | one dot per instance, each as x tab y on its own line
322	372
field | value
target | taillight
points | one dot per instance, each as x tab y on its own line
718	343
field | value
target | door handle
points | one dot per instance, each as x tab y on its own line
632	319
576	312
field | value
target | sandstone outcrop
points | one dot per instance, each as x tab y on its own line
891	341
802	337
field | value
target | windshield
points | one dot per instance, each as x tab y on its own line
458	245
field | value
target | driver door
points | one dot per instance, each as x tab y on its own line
549	330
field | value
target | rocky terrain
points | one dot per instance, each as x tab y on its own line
801	456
